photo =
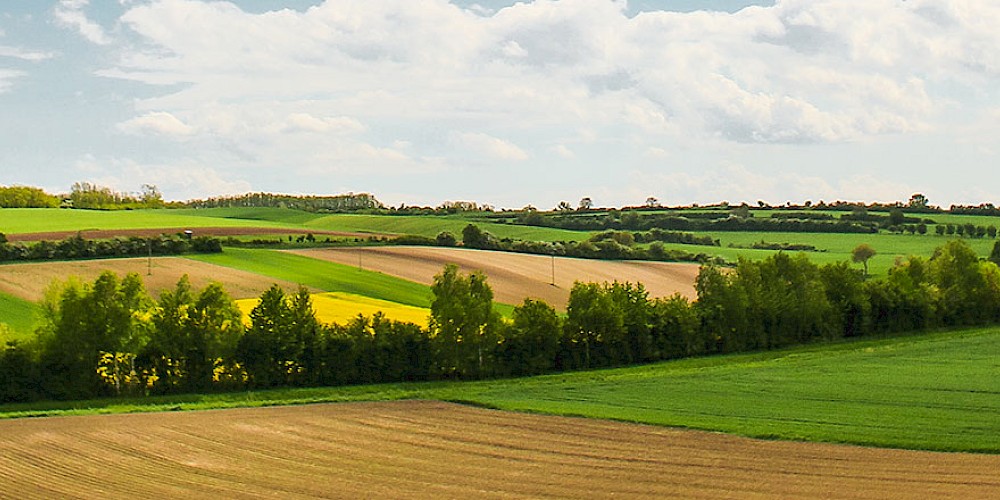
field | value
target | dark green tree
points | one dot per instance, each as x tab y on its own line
463	324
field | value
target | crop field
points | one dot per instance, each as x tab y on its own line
28	281
424	449
428	226
935	392
515	276
340	308
321	275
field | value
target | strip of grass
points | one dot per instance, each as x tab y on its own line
324	275
20	316
934	392
40	220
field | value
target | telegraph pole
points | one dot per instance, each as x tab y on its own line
553	270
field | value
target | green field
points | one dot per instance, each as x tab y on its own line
41	220
934	392
837	247
20	315
326	276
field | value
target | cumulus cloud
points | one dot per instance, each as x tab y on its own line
800	71
490	146
156	123
70	14
362	86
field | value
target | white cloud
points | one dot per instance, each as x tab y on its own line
7	78
70	14
26	55
157	123
365	87
491	146
563	151
304	122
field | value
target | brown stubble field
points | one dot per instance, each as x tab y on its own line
30	280
422	449
515	276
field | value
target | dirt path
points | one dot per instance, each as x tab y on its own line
29	281
98	234
416	449
515	276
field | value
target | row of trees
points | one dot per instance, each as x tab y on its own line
611	245
349	202
110	337
26	197
78	247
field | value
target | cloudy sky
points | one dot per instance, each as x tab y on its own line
422	101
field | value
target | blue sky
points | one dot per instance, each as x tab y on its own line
423	101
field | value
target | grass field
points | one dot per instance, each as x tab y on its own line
933	392
327	276
39	220
20	315
837	247
340	308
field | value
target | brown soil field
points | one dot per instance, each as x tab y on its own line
99	234
514	276
30	280
414	449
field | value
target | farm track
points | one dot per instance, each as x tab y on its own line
514	276
30	280
101	234
421	449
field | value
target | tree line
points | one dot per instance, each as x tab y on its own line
78	247
110	337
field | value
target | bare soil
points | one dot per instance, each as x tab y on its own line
30	280
515	276
103	234
415	449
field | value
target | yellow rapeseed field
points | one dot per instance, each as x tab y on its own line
339	307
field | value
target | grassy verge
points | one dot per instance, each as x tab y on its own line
933	392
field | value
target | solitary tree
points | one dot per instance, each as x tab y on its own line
586	203
995	254
862	253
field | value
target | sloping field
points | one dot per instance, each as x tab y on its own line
29	281
98	234
414	449
516	276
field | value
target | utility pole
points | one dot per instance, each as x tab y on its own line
553	270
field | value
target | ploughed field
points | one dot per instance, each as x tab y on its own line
514	276
422	449
30	280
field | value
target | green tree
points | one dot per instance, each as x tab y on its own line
531	341
862	254
463	324
995	254
594	325
82	322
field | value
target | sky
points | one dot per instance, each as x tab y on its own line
506	103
